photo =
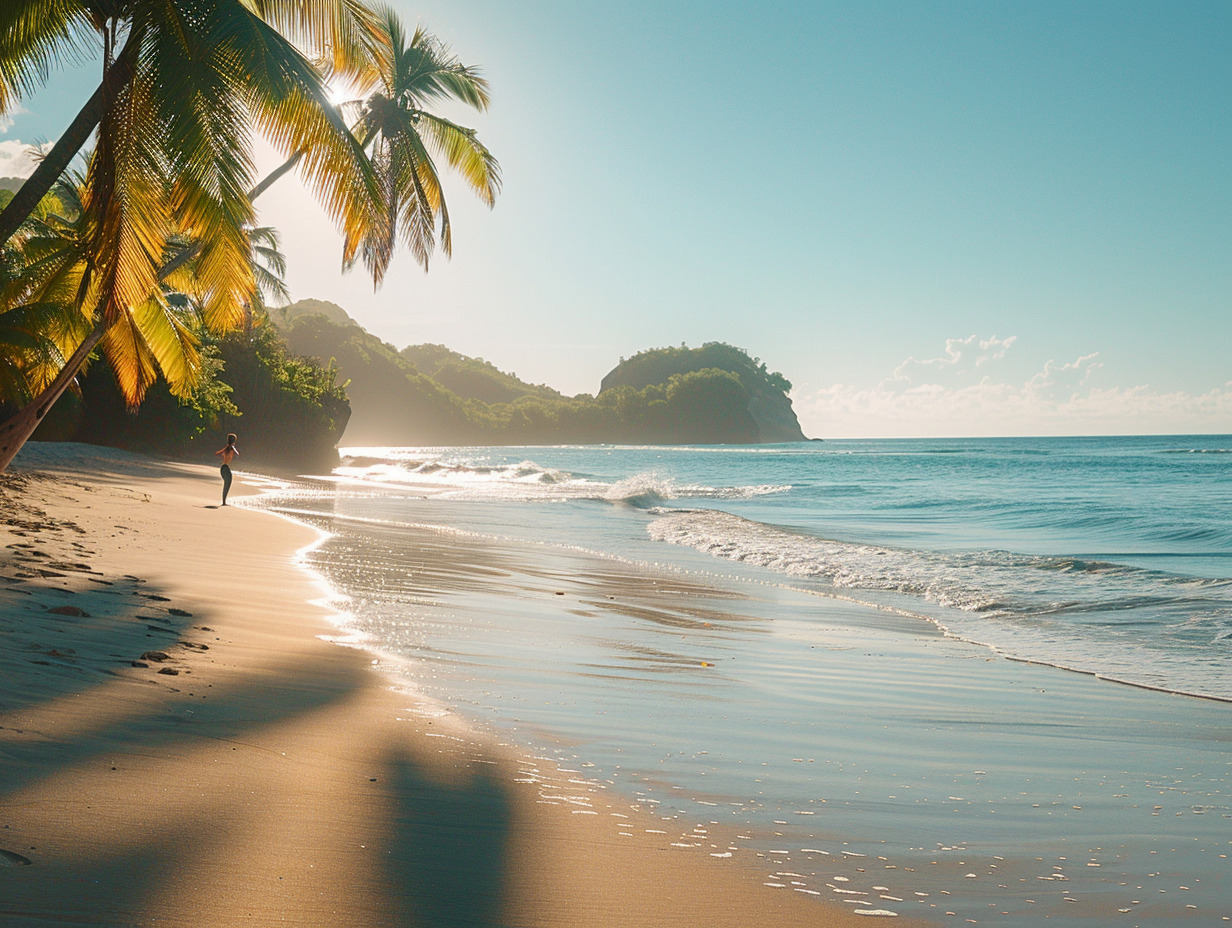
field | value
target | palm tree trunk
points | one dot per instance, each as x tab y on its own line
52	166
278	172
274	175
17	429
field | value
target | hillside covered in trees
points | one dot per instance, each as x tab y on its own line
428	394
294	382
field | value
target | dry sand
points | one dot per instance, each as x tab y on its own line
180	746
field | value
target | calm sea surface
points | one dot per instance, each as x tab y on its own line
828	593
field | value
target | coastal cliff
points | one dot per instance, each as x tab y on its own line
768	404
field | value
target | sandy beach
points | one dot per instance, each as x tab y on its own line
180	745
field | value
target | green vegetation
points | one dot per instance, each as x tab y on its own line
390	399
157	251
472	378
428	394
657	365
289	412
767	401
285	315
290	400
295	407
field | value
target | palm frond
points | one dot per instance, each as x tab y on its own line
413	171
129	358
269	266
339	31
34	36
200	98
33	339
428	70
463	152
172	343
125	200
288	102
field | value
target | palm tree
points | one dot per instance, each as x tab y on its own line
269	271
33	330
182	83
48	269
402	135
36	34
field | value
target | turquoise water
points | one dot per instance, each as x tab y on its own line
1109	555
799	644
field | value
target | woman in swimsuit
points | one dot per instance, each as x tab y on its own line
227	454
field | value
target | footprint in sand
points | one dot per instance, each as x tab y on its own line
70	565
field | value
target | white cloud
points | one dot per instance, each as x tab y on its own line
7	119
1059	381
961	362
16	159
961	393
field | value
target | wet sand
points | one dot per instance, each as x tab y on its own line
180	745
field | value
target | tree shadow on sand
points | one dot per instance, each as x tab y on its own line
162	837
448	866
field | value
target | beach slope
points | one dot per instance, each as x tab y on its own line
181	745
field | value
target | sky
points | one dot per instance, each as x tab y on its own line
934	218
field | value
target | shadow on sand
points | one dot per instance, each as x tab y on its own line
449	865
444	866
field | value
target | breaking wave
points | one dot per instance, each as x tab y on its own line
1133	624
459	478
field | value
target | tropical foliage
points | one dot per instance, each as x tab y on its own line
656	365
767	390
403	137
427	394
473	378
154	246
289	411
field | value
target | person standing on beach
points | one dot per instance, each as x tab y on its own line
227	454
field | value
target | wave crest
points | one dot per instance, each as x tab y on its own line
527	480
991	583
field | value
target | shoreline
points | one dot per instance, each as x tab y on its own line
904	763
257	771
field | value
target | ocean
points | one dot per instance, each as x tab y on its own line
986	677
